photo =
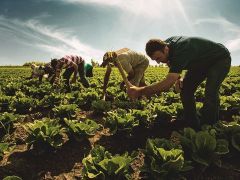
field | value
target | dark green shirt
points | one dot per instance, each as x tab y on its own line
191	52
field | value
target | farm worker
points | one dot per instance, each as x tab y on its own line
72	64
203	59
133	63
41	71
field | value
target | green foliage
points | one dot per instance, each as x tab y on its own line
101	106
231	132
45	133
11	88
203	147
100	164
65	111
5	102
85	99
81	129
53	99
4	147
164	160
12	178
165	112
23	105
121	121
6	121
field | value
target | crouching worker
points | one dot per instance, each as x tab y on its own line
72	64
133	63
42	71
203	59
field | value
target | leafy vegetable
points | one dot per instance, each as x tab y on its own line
120	120
164	160
100	164
80	129
203	147
45	133
101	106
65	111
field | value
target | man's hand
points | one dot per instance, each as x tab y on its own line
179	85
134	92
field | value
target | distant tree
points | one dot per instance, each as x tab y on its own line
38	63
94	63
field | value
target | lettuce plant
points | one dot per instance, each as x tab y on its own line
85	99
203	146
23	105
12	178
5	102
101	106
65	111
100	164
45	133
81	129
121	121
6	121
164	160
6	148
231	132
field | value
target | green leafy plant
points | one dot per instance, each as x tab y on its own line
11	88
144	116
126	104
101	106
164	160
203	147
12	178
81	129
229	131
165	112
5	102
45	133
23	105
65	111
6	148
121	121
100	164
85	99
54	99
6	122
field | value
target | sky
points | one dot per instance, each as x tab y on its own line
38	30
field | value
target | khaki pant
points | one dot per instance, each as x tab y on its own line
139	71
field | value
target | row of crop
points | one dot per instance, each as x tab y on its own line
163	158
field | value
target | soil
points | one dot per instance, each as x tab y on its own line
65	163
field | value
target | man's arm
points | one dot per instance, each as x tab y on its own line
162	86
134	92
106	79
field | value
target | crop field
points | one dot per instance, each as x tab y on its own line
48	134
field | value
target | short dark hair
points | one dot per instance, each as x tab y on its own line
54	63
154	45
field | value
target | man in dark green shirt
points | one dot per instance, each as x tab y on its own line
203	59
